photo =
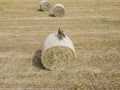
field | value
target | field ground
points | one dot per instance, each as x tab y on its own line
92	25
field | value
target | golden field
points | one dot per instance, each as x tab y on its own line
92	25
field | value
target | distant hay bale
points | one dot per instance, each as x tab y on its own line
57	54
58	10
45	5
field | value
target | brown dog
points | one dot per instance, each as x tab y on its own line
61	34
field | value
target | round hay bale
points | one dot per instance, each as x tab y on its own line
45	5
58	10
57	54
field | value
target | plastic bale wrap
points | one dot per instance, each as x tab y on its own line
57	54
45	5
58	10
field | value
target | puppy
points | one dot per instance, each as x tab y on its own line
61	34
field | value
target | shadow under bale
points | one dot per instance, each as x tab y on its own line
51	15
40	10
36	61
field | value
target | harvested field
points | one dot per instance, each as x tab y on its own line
92	25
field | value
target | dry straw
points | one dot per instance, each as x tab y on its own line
45	5
57	54
58	10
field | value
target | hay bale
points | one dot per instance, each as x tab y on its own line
57	54
45	5
58	10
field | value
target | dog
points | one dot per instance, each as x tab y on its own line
61	34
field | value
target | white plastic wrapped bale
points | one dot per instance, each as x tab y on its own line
58	54
58	10
45	5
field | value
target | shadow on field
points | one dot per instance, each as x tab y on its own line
40	10
36	61
51	15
